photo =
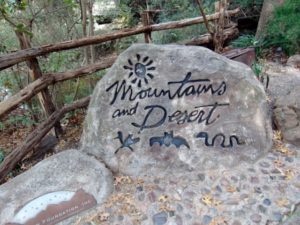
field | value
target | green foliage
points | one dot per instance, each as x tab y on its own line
244	4
176	10
12	5
244	41
21	120
61	61
129	17
2	126
283	29
257	68
2	155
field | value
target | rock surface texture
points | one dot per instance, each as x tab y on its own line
66	178
175	107
294	61
287	116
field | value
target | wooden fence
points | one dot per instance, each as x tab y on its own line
42	82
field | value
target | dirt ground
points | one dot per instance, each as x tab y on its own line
13	136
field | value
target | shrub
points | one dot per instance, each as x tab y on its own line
283	29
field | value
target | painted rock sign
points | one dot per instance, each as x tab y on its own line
173	106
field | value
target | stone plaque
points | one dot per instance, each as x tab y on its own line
174	106
53	207
55	189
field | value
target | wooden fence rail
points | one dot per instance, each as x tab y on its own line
36	86
23	55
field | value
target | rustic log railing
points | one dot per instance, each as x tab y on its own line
45	80
23	55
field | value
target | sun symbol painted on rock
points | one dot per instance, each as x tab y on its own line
141	69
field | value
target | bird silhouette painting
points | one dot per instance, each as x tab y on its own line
169	139
127	142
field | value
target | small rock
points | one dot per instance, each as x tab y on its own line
262	209
243	177
179	208
254	180
264	171
213	211
256	218
233	201
266	188
234	179
251	170
251	201
188	216
178	220
205	191
139	188
236	222
141	197
160	218
267	202
171	213
289	159
218	188
201	176
258	190
152	197
224	182
239	213
277	216
276	171
120	217
206	219
156	181
264	164
244	196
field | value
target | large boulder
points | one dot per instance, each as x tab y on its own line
168	107
55	189
287	116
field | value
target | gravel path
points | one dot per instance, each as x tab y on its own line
266	192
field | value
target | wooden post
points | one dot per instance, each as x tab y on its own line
36	73
146	22
220	7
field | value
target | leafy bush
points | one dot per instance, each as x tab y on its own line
247	3
244	41
283	29
1	155
21	120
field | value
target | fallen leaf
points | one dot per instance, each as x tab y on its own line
278	163
282	202
163	198
231	189
289	174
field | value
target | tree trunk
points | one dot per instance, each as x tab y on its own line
83	7
265	15
92	47
91	30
